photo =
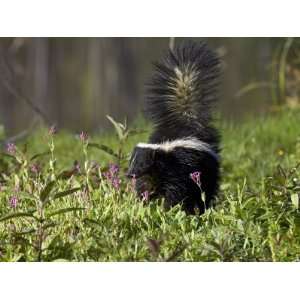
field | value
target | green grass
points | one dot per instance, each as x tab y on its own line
256	217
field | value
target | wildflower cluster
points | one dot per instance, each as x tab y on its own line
113	176
13	201
52	130
11	148
83	136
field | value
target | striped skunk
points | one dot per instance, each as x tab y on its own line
184	144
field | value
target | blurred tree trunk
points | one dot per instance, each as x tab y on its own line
78	81
41	71
119	82
98	104
112	80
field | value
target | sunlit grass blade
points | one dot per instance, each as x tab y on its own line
65	210
46	191
66	193
103	148
17	215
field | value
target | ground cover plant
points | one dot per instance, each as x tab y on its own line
65	198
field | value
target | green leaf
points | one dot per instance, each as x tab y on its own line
177	252
46	191
62	194
16	258
137	131
103	148
40	154
296	189
67	173
49	225
26	231
295	200
281	175
8	155
2	132
65	193
118	127
91	222
26	195
25	148
65	210
17	215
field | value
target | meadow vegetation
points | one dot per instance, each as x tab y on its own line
66	198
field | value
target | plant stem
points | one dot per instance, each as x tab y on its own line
40	233
282	66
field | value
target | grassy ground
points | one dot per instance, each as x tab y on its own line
52	209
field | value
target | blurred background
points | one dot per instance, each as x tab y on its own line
76	82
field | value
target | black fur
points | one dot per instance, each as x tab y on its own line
190	116
179	101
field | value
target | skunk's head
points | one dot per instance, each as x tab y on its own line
141	162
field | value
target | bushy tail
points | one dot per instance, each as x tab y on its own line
183	87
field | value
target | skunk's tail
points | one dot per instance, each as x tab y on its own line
183	87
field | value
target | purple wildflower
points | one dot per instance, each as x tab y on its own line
83	136
145	196
195	176
114	169
11	148
13	201
107	175
112	175
52	130
116	183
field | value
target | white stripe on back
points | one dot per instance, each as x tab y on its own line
190	143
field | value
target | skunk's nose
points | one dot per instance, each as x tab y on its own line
130	175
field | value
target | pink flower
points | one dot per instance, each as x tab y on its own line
107	175
83	136
114	169
13	201
116	183
112	175
195	176
11	148
52	130
145	196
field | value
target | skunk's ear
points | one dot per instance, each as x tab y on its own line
142	159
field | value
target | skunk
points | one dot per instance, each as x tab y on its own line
181	161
